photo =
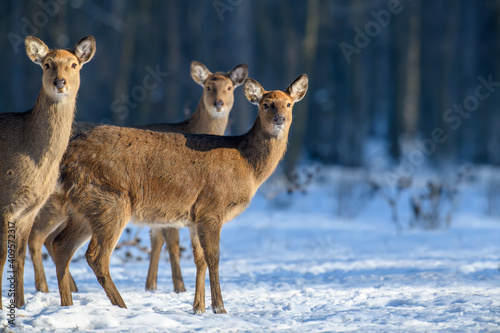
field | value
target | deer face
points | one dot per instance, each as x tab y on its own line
275	107
61	68
218	94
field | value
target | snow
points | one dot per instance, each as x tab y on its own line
292	264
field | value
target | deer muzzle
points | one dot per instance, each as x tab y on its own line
279	120
59	83
218	104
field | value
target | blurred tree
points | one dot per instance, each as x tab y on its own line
120	107
309	48
411	99
399	84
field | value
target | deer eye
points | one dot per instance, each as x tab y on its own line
208	88
47	66
229	88
266	106
288	105
73	65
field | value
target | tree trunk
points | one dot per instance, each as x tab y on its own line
411	106
122	86
310	43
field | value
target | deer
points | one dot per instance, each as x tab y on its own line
113	175
211	117
32	145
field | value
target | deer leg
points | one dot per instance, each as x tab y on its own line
50	251
3	249
35	243
45	224
106	230
23	229
201	269
171	236
64	246
154	259
209	235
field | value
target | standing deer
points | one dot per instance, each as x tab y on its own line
111	175
211	117
32	145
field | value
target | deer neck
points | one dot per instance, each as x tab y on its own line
262	151
49	128
201	122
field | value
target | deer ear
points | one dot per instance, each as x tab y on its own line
199	72
36	49
253	91
238	74
85	49
298	88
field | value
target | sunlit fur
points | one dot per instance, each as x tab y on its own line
111	174
32	144
205	120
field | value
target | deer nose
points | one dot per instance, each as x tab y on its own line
218	104
59	83
279	120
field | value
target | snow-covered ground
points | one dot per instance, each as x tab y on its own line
293	265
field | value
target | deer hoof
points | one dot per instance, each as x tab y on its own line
198	311
219	310
180	290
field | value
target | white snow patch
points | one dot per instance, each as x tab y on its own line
298	267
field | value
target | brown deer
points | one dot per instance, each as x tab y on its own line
32	145
111	175
211	117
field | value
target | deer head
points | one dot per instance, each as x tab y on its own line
275	107
218	95
61	68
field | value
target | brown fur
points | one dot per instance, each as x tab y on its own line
32	145
206	119
111	175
